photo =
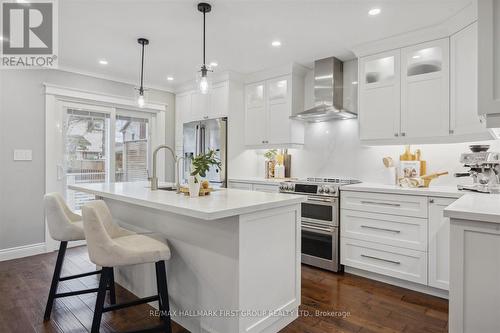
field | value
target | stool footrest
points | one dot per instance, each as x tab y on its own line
77	292
65	278
132	303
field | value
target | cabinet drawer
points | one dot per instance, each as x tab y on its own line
240	186
402	231
388	260
266	188
395	204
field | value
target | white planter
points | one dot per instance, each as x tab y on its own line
194	187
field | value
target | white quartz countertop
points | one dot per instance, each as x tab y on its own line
219	204
434	191
475	207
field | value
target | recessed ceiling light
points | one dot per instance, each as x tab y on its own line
103	62
276	43
374	11
354	82
416	56
214	64
170	78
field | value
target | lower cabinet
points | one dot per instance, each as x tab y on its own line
383	259
272	188
411	245
439	243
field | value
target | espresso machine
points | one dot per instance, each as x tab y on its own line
484	168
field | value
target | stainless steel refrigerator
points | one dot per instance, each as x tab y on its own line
202	136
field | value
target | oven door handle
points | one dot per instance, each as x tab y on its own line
311	227
332	200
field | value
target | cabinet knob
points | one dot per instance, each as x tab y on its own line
431	200
452	131
403	134
396	134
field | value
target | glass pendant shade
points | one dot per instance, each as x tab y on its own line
140	100
204	81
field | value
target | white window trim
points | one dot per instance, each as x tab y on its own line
57	99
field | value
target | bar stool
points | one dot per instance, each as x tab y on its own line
65	226
108	247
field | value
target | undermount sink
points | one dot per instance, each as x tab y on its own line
167	188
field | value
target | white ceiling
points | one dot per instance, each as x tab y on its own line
239	33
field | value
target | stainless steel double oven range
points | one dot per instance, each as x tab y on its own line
320	219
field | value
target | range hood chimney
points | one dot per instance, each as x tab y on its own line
328	93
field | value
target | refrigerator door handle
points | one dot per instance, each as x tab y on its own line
203	133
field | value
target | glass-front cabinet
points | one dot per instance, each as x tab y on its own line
379	96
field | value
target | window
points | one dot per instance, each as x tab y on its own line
93	155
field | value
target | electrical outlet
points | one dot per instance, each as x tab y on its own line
23	155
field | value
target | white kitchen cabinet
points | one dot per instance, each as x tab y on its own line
439	243
244	185
425	90
218	101
199	106
182	113
489	61
379	96
464	118
255	114
268	107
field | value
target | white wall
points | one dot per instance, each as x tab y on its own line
333	149
22	126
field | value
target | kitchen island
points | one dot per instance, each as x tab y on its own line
235	263
474	263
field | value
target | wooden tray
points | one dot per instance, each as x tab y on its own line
203	191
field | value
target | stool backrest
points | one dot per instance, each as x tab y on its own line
99	230
59	217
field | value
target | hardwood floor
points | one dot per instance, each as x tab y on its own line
330	302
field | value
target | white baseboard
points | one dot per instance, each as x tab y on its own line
22	251
398	282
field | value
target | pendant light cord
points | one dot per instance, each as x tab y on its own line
141	89
204	63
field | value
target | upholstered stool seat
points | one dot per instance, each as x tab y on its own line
110	246
65	226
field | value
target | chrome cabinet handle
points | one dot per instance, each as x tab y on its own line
452	131
396	134
381	259
381	229
381	203
431	200
403	134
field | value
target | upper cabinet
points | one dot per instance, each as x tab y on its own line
379	96
268	106
489	61
212	105
425	90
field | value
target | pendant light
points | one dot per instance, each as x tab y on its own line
203	79
140	98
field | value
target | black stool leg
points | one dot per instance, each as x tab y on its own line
55	280
161	280
101	295
112	293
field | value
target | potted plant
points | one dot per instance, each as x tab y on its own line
199	166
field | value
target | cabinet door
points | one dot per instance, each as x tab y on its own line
379	96
425	103
199	106
278	111
219	101
240	186
439	243
266	188
489	60
255	115
464	118
182	114
254	95
277	90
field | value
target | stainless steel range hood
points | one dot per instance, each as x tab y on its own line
328	93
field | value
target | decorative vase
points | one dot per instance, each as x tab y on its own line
194	187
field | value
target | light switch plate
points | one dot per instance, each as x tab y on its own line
23	155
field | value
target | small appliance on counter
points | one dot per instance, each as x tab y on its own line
484	168
320	219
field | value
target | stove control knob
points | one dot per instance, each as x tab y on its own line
327	190
321	190
290	187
